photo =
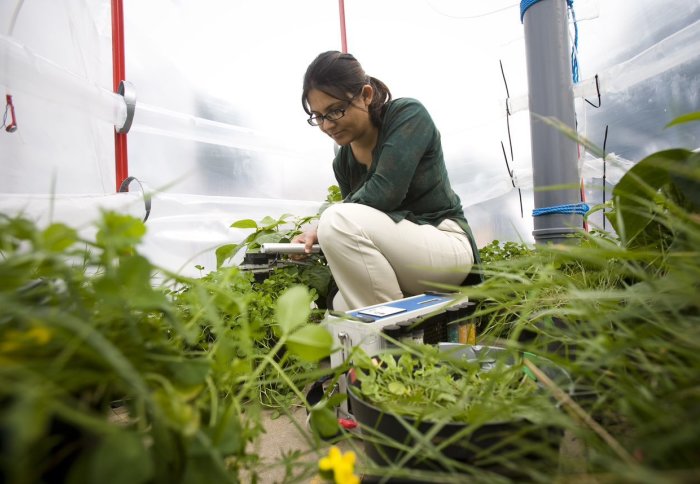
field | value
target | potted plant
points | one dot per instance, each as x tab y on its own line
454	408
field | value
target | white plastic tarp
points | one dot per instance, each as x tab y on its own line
219	117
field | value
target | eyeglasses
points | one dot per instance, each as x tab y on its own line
334	115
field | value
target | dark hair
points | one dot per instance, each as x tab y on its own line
341	76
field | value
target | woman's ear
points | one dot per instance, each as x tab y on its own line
367	94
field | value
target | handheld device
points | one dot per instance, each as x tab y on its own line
272	248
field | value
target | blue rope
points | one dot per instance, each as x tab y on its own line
574	49
525	4
577	208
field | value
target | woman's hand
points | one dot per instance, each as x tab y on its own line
309	237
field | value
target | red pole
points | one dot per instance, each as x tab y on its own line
343	37
121	159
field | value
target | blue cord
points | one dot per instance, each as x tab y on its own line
577	208
525	4
574	49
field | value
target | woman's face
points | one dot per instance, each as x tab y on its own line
352	125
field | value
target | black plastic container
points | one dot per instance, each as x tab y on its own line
394	332
472	448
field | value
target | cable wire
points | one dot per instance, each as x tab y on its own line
467	17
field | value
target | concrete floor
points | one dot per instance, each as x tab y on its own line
282	435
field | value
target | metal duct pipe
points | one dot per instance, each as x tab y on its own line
550	86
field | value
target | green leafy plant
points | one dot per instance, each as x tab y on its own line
431	386
272	230
618	311
266	230
312	272
496	251
86	331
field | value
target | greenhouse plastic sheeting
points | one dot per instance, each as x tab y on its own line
218	84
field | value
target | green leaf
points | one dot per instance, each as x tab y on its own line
179	413
18	228
389	360
134	276
317	277
324	421
336	399
636	191
58	237
245	224
690	186
686	118
273	237
120	232
188	371
225	252
25	419
201	468
107	461
397	388
311	343
447	397
293	308
270	223
228	435
333	195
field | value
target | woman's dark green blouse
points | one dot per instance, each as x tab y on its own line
408	178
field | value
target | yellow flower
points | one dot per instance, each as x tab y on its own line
342	465
15	340
40	334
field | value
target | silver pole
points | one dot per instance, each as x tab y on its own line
554	156
289	248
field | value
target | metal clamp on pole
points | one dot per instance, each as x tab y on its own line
128	92
124	187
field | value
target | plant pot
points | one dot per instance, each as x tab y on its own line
486	447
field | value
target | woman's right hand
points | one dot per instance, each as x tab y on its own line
309	237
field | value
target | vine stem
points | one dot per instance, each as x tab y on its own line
286	379
579	412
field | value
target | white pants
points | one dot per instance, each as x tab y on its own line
374	260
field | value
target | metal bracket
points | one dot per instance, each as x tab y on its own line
128	92
9	107
346	345
124	187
